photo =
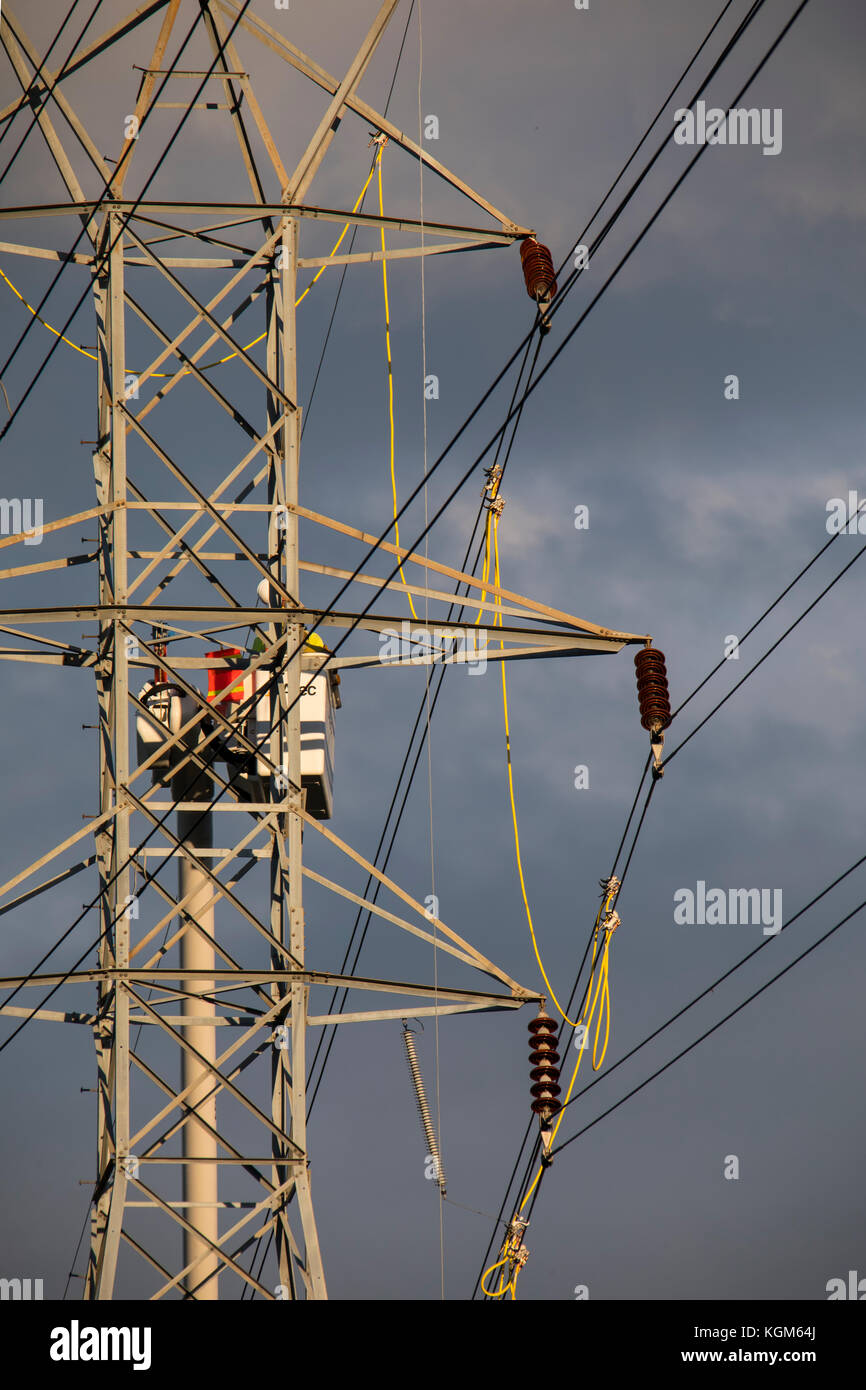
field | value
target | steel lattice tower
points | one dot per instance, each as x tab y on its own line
162	963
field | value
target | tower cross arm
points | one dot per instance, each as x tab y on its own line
274	40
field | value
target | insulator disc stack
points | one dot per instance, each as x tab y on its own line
652	688
538	271
545	1070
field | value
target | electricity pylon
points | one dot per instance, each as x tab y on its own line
163	968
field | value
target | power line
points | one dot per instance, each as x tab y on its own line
530	387
501	437
644	812
769	650
309	404
530	1125
760	619
27	95
628	254
721	979
657	1032
303	428
768	611
106	192
71	1275
490	389
591	305
728	1016
499	377
514	410
829	586
148	877
351	629
726	51
424	736
533	385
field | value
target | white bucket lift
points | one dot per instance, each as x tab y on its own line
168	709
319	698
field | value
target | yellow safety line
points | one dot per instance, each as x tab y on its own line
485	573
187	371
390	377
602	989
57	334
591	1000
498	623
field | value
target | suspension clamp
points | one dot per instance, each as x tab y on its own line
491	487
657	743
610	922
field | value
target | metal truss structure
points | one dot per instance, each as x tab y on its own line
163	968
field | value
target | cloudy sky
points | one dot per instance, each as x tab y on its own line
702	509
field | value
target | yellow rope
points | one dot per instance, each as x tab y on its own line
602	990
390	377
494	1293
55	331
485	573
498	623
598	976
187	371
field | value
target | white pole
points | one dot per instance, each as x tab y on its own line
200	1184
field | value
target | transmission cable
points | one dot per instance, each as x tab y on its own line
530	388
31	98
768	652
106	193
733	1012
667	760
788	630
313	392
407	790
721	979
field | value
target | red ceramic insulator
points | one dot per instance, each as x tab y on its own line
545	1072
652	688
538	271
549	1105
541	1055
